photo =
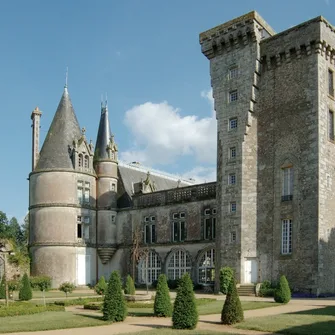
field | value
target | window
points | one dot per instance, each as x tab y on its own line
207	267
233	123
331	125
232	179
149	230
210	228
207	211
214	211
83	227
287	193
182	215
232	152
80	160
79	230
149	268
80	191
175	216
112	187
178	264
286	247
233	207
233	96
87	192
86	219
233	237
178	228
331	82
233	72
83	192
86	162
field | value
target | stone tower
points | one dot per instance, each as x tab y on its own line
234	53
106	167
62	200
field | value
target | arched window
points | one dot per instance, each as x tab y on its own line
179	263
80	160
149	268
206	267
86	162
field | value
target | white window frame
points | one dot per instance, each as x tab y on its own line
149	268
287	183
206	267
233	123
286	245
178	264
233	96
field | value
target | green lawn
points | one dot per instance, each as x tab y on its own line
48	321
169	331
319	321
212	307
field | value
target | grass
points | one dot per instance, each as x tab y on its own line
169	331
48	321
211	306
312	322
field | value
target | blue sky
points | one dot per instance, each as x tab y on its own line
144	54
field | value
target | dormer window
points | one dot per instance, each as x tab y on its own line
86	162
80	160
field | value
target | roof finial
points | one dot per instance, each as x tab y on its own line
106	101
66	76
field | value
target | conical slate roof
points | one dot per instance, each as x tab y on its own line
63	130
104	134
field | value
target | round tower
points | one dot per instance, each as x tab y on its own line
62	199
106	167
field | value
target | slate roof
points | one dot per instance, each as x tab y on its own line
63	130
104	134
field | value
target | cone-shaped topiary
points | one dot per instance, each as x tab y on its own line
101	286
25	292
130	287
3	288
114	307
232	311
282	292
162	305
227	274
185	314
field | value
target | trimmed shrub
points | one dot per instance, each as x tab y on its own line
25	292
232	311
15	309
266	289
162	305
101	287
173	283
114	307
3	288
94	306
185	314
13	285
227	275
79	301
129	287
67	288
40	283
282	292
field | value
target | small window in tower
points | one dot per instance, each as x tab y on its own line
233	123
331	125
232	236
233	207
80	160
79	230
233	72
79	218
86	162
233	96
113	187
232	179
331	82
232	153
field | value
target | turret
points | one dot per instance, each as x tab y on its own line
36	118
105	164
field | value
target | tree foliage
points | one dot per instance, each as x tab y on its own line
185	314
101	286
114	307
232	311
67	288
129	287
282	292
162	305
227	275
3	288
25	292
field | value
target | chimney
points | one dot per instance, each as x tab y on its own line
35	116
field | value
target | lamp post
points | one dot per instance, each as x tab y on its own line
3	257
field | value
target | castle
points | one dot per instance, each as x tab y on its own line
269	213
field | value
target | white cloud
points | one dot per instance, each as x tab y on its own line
162	135
201	174
209	96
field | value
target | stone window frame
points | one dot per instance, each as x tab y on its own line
233	72
330	82
233	123
233	207
233	96
233	236
331	135
286	236
232	153
149	229
232	178
178	222
287	179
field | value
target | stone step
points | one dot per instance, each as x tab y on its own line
246	290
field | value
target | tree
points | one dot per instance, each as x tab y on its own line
185	314
226	276
162	305
67	288
282	292
3	288
129	287
43	283
101	286
232	311
114	306
25	292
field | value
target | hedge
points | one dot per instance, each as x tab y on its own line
79	301
26	309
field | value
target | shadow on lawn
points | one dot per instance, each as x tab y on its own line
318	328
90	316
151	326
326	310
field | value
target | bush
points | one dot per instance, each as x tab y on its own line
114	307
282	292
15	309
13	285
3	288
173	283
129	287
25	292
101	287
232	311
227	275
185	314
67	288
162	305
93	306
40	283
266	289
79	301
